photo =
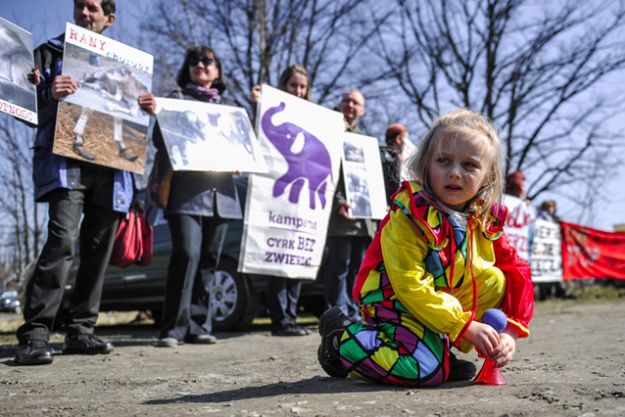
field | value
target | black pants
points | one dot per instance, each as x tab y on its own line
197	242
282	297
44	292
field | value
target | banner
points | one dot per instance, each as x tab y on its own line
102	122
591	253
288	208
517	227
208	137
18	96
546	252
364	180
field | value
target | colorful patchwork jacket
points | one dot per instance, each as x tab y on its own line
426	254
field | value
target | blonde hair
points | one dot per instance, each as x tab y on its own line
289	72
463	122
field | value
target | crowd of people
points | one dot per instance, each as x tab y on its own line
399	295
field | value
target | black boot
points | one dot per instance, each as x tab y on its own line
332	324
34	352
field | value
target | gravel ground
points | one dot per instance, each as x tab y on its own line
573	365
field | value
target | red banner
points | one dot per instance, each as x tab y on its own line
591	253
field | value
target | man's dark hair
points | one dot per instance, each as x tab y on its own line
108	6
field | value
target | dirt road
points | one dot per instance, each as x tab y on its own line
573	365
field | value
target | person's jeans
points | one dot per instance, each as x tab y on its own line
345	254
44	292
282	297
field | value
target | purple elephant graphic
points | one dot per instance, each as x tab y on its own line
312	163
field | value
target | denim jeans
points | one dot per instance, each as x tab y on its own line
345	254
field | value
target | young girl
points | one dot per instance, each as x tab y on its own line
283	293
438	261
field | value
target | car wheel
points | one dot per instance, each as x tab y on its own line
234	303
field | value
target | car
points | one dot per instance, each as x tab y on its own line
9	301
236	298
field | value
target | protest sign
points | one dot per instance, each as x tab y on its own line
364	180
592	253
288	208
546	252
208	137
18	96
102	122
517	227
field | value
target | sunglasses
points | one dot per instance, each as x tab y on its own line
194	60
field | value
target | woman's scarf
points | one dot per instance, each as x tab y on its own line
209	95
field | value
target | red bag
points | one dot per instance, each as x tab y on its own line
133	240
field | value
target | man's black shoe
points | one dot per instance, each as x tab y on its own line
460	370
332	324
86	344
290	330
34	352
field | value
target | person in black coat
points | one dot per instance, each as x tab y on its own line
198	208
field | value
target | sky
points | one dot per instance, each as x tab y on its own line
45	21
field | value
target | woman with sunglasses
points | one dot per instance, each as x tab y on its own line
198	208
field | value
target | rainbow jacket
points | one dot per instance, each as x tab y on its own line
428	258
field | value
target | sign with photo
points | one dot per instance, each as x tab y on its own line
208	137
288	207
18	96
517	227
364	180
546	256
102	122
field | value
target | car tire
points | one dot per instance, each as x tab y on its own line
234	302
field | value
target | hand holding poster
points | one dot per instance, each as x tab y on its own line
102	122
208	137
364	180
18	96
288	208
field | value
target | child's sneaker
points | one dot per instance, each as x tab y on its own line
460	370
332	324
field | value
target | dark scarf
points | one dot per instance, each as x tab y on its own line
209	95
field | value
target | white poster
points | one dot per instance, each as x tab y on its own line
520	217
364	180
208	137
102	122
546	258
18	96
288	208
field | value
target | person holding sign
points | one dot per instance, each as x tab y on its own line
348	237
283	293
73	189
198	207
438	262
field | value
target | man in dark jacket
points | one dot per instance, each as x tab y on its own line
73	189
348	237
391	155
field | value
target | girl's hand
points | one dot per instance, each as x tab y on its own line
343	211
148	103
484	337
255	94
62	86
504	352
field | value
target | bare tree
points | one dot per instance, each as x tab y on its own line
539	70
257	39
22	227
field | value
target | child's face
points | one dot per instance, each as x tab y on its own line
297	85
457	169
